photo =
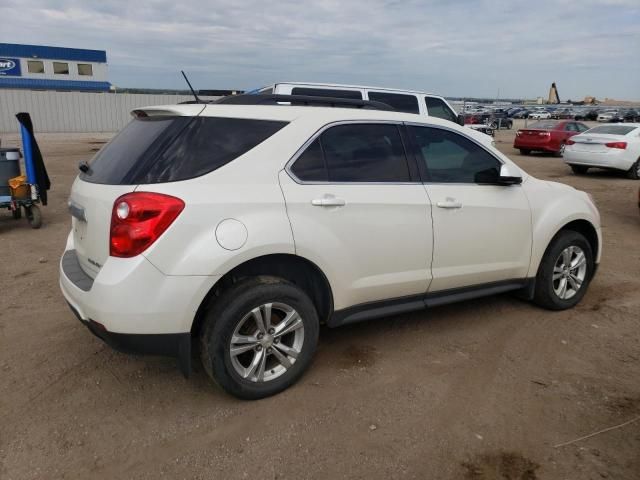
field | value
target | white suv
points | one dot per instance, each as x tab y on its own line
247	226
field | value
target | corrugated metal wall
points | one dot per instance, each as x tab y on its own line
75	111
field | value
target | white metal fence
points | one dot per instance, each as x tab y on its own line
75	111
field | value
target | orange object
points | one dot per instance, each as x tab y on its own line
19	187
15	182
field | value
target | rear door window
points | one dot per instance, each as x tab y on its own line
355	153
327	92
399	101
436	107
168	149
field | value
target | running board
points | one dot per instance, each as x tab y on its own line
396	306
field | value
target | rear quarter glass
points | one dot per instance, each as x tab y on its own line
169	149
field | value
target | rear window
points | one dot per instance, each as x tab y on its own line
399	101
168	149
327	92
613	129
544	125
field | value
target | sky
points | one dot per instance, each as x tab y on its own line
474	48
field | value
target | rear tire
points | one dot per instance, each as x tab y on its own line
560	152
525	151
278	359
634	172
579	169
557	270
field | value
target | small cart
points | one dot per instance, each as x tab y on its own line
22	192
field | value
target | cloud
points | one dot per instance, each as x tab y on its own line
466	47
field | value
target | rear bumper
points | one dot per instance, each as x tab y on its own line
133	307
541	147
614	159
176	345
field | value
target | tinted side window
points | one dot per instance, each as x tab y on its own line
169	149
326	92
310	166
402	103
437	108
365	153
582	127
570	127
451	158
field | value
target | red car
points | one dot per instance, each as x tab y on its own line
547	136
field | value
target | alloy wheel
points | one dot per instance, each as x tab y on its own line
266	342
569	272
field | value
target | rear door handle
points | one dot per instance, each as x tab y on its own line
449	203
328	202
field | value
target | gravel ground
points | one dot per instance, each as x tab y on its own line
478	390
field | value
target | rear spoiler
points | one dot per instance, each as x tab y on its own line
168	110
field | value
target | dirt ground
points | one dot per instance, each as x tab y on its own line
478	390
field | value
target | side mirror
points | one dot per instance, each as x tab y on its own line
509	175
461	119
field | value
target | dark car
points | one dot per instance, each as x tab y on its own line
631	116
522	114
547	136
499	119
564	114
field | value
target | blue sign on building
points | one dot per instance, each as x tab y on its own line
10	66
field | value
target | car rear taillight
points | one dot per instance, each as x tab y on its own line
138	219
570	142
620	145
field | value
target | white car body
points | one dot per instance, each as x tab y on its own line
544	115
440	107
376	242
594	148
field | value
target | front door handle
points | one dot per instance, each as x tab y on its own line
327	201
449	203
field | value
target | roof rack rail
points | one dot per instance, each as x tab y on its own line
307	100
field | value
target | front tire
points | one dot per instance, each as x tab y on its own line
564	272
634	172
259	337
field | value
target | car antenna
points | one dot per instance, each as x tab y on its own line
195	95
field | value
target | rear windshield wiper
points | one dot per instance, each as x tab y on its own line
83	166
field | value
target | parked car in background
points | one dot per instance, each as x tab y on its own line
614	147
631	116
524	113
610	116
540	115
589	115
547	136
499	119
564	114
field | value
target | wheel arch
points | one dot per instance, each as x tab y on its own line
294	268
580	225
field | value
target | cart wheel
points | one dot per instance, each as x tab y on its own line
17	213
34	216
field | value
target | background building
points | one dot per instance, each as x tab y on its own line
37	67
